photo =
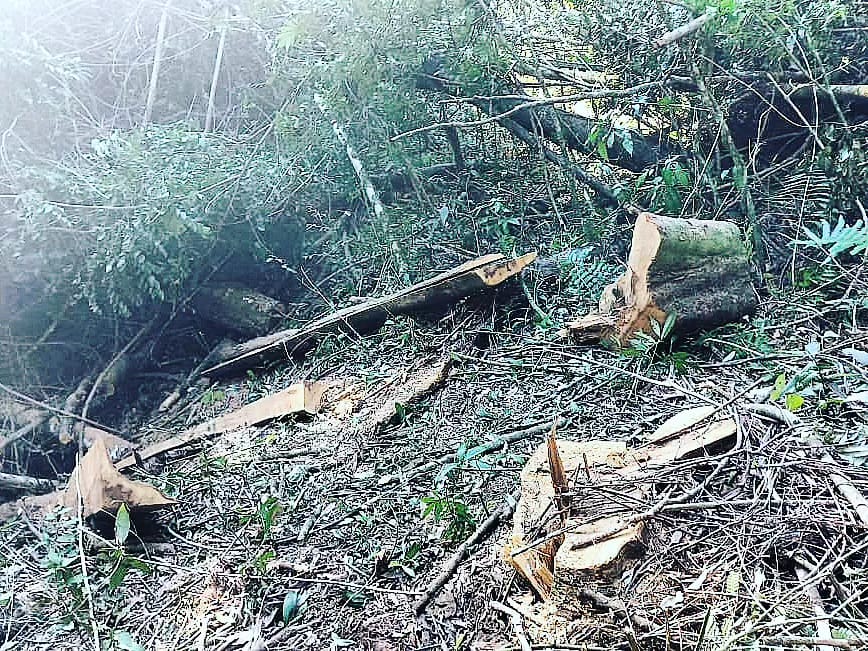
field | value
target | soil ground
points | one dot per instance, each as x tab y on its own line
321	522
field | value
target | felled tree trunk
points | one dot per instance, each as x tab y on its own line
470	278
580	133
776	124
556	125
697	271
237	309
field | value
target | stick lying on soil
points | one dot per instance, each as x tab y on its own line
482	532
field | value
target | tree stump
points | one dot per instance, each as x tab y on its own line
697	271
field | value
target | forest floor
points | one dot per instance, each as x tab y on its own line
320	522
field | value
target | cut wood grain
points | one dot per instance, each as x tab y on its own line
104	489
447	288
302	397
697	271
596	543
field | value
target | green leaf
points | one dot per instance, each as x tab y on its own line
122	524
291	604
780	384
119	574
602	150
669	324
627	142
794	401
340	643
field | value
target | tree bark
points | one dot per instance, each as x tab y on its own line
697	271
623	147
467	279
237	308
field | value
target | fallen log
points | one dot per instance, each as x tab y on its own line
97	486
776	119
24	484
696	272
467	279
297	398
237	308
20	419
409	390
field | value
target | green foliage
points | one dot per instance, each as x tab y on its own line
213	396
451	510
794	389
649	346
142	211
62	562
758	34
65	575
470	457
124	641
408	561
122	524
586	275
842	238
665	190
266	515
293	604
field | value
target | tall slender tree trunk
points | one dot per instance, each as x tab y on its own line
158	59
209	115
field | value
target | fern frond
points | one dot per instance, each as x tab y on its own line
843	238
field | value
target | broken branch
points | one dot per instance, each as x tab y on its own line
482	532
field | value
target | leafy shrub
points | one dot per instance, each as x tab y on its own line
141	216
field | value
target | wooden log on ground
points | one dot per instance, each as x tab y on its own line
445	289
302	397
696	271
237	308
24	484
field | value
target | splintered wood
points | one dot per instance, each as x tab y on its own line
99	487
563	548
104	489
697	271
302	397
470	278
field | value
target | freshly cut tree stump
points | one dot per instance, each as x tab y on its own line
697	270
590	543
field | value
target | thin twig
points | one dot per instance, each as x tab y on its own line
516	621
481	533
